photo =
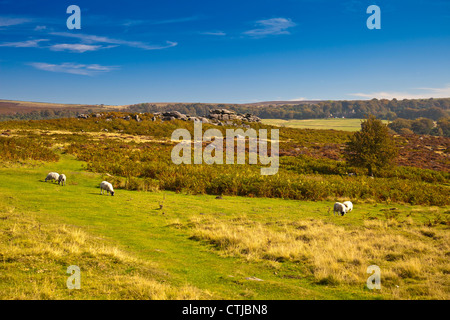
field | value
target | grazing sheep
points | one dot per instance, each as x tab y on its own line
339	208
349	205
52	176
62	179
105	185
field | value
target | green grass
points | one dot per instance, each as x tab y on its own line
133	222
327	124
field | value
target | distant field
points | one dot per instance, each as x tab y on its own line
336	124
12	106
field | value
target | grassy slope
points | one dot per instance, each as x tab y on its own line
336	124
133	222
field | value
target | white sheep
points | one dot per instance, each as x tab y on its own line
349	205
62	179
105	185
339	208
52	176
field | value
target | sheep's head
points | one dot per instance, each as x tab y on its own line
112	193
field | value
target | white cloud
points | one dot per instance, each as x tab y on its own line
6	22
76	47
40	28
298	99
420	93
90	39
73	68
274	26
438	92
23	44
214	33
73	47
169	44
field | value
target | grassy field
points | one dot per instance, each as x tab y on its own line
335	124
200	247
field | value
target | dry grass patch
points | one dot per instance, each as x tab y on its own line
34	258
413	259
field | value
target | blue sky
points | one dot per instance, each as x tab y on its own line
223	51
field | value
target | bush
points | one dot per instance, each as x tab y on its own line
20	148
406	131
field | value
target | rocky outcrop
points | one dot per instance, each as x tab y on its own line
172	115
228	115
218	117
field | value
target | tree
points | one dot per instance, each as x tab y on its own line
406	131
391	116
372	147
435	113
399	124
444	125
422	126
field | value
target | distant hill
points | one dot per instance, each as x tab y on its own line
279	103
28	110
434	109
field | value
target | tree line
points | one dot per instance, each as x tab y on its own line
44	114
421	126
433	109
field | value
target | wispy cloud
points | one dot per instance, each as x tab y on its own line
418	93
131	23
73	68
77	47
214	33
72	47
91	39
88	43
298	99
274	26
40	28
23	44
168	44
6	21
439	92
177	20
